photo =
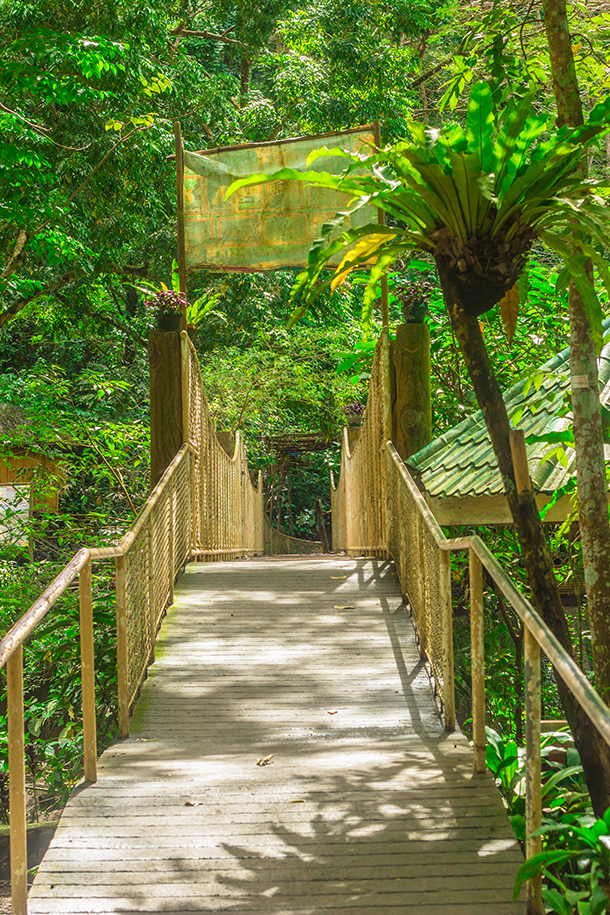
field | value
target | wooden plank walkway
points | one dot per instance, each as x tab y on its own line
365	805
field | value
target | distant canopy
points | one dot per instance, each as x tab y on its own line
268	226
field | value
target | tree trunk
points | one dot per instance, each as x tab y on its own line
594	754
590	463
591	489
321	526
244	80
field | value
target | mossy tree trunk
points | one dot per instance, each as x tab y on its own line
593	750
588	439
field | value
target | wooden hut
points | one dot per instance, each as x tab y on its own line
31	474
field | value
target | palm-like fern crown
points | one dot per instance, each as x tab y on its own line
475	199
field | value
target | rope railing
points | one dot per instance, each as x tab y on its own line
227	508
359	515
147	561
277	543
204	507
422	555
417	545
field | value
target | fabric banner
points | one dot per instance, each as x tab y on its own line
267	226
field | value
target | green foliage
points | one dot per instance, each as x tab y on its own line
576	859
52	691
475	198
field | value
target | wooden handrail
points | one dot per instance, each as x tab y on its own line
174	511
20	631
538	637
11	656
567	668
123	546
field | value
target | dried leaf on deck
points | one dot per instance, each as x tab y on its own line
344	607
193	803
337	577
264	760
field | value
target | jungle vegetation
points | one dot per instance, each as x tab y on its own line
88	97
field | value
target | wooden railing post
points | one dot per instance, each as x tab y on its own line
87	660
477	660
172	539
421	617
533	795
152	622
447	611
121	648
16	765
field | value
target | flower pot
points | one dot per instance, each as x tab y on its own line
168	320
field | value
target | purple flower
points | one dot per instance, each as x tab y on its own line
354	409
167	301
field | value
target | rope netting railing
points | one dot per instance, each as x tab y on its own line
204	507
227	509
279	544
424	572
422	555
147	560
359	511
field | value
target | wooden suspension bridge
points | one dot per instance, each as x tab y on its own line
281	749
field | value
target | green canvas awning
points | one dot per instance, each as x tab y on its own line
268	226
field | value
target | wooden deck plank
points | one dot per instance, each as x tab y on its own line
367	805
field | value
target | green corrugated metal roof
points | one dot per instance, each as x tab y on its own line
462	463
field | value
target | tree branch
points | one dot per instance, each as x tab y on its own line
42	131
203	33
9	313
96	169
16	255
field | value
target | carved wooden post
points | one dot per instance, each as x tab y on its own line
411	396
166	434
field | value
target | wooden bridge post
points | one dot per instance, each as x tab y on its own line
447	611
477	664
87	655
533	790
166	422
122	649
411	389
16	769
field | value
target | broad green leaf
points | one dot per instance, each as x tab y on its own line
363	249
556	902
319	179
512	120
568	488
515	154
383	262
558	777
566	438
480	123
535	865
